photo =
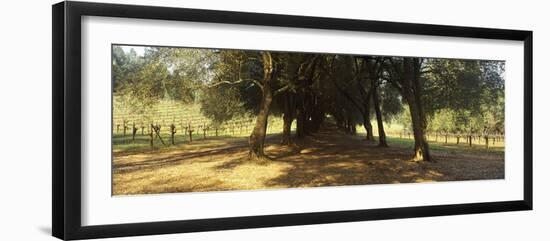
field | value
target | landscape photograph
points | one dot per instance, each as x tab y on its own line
202	119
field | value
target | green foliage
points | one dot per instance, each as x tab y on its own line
464	96
404	118
391	103
137	83
221	104
123	65
454	84
442	121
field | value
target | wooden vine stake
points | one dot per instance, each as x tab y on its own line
134	131
172	132
190	131
156	129
151	136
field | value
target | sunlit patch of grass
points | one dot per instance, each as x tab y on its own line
450	147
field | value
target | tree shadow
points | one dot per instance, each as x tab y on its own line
231	164
175	159
337	167
336	159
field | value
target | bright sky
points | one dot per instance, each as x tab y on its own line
139	50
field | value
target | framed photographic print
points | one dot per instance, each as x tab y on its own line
169	120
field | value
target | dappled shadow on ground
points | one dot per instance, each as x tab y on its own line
328	158
321	162
175	158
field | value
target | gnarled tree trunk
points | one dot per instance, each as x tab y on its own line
364	108
421	148
287	123
288	117
303	113
368	126
257	137
366	112
381	133
300	122
412	92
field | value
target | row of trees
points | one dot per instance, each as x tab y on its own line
307	88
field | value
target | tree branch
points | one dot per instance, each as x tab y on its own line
256	82
281	90
349	97
390	78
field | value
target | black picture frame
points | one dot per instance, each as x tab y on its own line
66	127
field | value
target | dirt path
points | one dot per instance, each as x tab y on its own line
328	158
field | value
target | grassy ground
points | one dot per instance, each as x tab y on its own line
451	147
328	158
